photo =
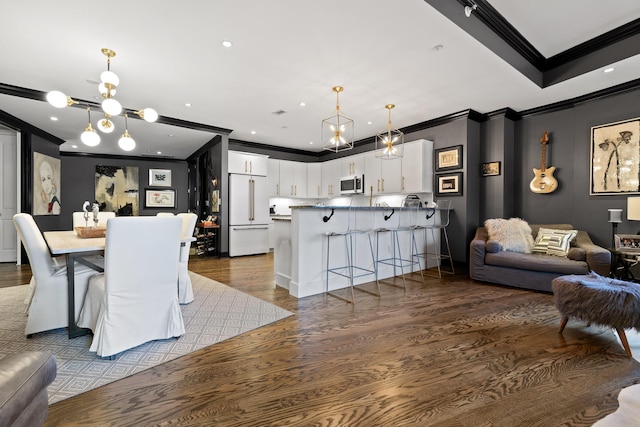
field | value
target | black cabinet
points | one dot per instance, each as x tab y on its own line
206	239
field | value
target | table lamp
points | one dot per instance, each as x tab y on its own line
615	217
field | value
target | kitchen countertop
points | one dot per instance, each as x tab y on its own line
371	208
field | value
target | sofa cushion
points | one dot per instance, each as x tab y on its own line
513	234
553	241
577	254
537	262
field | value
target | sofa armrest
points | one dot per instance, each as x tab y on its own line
598	258
24	378
477	250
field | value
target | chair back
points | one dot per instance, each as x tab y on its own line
141	259
42	264
441	219
165	214
78	219
189	220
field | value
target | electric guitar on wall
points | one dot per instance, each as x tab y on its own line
543	182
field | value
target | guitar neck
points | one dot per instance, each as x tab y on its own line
543	166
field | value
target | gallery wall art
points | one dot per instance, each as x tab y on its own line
117	189
46	185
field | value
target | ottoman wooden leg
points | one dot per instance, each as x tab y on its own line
565	319
625	343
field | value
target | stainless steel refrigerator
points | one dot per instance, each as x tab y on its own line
248	215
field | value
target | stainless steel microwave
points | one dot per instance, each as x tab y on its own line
352	184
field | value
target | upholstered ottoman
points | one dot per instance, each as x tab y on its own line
596	299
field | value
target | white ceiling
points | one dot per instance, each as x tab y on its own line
285	52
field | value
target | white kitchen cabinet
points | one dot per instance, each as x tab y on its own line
417	167
273	177
247	163
384	175
331	173
314	180
353	165
293	179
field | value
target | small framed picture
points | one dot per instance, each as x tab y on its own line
491	169
449	184
159	198
448	158
627	242
160	177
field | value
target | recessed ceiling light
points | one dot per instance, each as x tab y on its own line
438	47
226	43
54	119
302	104
311	142
369	123
187	104
159	152
74	146
608	70
253	132
170	135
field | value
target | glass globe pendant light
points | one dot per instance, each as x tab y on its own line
90	137
126	142
105	125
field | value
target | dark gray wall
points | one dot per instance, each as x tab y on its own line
78	182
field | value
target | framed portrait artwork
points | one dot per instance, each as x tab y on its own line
160	177
46	185
615	158
491	169
449	184
159	198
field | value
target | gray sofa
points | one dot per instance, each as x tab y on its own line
24	378
534	271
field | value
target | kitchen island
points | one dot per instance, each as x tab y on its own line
300	251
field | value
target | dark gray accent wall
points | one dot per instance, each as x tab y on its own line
78	182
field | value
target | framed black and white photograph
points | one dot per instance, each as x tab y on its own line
615	158
630	242
159	198
491	169
160	177
448	158
449	184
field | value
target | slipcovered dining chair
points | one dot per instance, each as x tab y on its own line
135	300
47	300
185	291
78	219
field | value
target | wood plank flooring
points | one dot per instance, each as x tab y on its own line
449	352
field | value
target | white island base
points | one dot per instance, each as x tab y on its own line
300	246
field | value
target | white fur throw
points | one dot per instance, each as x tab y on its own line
513	234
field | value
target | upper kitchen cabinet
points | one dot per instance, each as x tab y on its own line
293	179
417	167
273	177
247	163
314	180
331	173
353	165
384	175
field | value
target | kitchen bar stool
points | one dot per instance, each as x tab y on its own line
350	270
438	225
396	260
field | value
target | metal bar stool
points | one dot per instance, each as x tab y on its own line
350	270
438	225
396	260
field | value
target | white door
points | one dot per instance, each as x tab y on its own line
8	195
239	200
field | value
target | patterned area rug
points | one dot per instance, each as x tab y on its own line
217	313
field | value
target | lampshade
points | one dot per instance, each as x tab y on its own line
109	77
633	208
148	114
337	130
389	141
90	137
126	142
105	125
111	107
615	215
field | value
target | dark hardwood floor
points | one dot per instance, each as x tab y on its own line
449	352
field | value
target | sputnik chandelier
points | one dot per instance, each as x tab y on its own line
389	141
337	130
110	107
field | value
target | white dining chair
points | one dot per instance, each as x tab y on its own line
185	290
135	300
78	219
47	299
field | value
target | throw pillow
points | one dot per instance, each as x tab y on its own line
553	242
513	234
